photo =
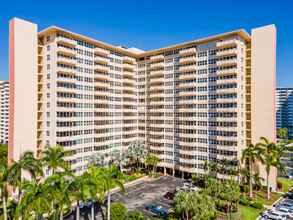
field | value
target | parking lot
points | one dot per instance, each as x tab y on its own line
282	200
138	197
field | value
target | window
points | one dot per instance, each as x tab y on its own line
48	57
48	38
48	48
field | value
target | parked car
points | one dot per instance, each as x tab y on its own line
89	202
170	195
180	189
273	215
288	195
288	213
81	205
286	205
157	209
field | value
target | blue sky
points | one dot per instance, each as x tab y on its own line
154	24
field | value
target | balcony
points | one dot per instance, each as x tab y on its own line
226	109
66	90
66	41
227	52
226	100
65	99
66	80
227	129
101	84
188	51
156	72
157	80
101	68
230	90
66	70
128	66
157	57
187	68
227	43
66	51
158	65
226	62
188	60
230	119
226	81
228	71
101	59
101	51
66	61
191	84
128	59
187	76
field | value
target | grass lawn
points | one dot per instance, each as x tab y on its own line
249	213
287	184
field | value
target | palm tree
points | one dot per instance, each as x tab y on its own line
26	162
182	204
257	180
137	150
82	187
135	215
110	178
272	160
37	199
98	160
61	185
252	153
282	132
214	167
224	165
120	157
154	160
53	158
267	146
3	187
3	153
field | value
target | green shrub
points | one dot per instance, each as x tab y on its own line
118	211
244	202
223	196
158	175
280	185
248	198
257	205
137	175
206	192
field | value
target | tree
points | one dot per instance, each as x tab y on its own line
3	187
37	199
53	158
267	146
252	153
81	188
224	165
26	162
120	157
257	181
98	160
118	211
61	184
154	160
214	167
282	132
110	177
182	204
3	154
137	150
135	215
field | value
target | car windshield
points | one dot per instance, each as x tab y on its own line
159	207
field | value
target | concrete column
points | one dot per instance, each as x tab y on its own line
173	174
182	174
165	171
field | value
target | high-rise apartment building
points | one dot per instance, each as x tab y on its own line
196	101
4	114
284	107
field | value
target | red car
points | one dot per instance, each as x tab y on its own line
170	195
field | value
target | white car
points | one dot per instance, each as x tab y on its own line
191	187
273	215
288	213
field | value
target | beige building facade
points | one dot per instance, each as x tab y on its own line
192	102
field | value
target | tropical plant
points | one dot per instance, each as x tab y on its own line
120	157
282	132
3	188
27	162
182	204
110	178
37	199
98	160
153	160
137	150
135	215
214	168
3	154
257	179
252	153
11	210
224	165
118	211
53	158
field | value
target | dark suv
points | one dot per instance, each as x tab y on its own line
170	195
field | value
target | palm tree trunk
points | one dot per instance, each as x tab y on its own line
228	207
77	211
268	185
250	180
19	200
137	165
93	210
186	215
4	206
61	214
108	205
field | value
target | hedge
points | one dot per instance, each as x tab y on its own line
257	205
206	192
223	196
244	202
248	198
